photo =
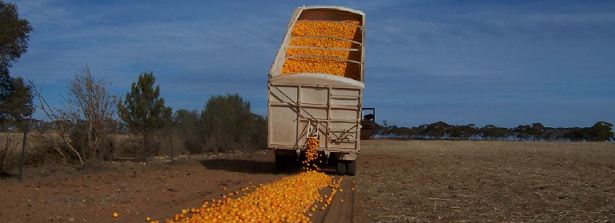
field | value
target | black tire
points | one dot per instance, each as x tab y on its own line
351	168
341	168
286	164
280	163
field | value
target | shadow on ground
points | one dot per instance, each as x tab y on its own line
5	175
240	165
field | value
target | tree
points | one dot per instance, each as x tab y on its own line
437	130
15	109
92	109
601	131
576	134
15	96
82	125
383	130
462	132
492	132
13	35
187	128
229	124
421	131
537	131
522	132
259	132
5	85
13	43
17	105
144	113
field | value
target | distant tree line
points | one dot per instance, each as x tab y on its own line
601	131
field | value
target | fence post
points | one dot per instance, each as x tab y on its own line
23	151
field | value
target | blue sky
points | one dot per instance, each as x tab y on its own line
482	62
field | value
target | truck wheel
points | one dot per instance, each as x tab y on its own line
341	168
286	163
351	169
280	162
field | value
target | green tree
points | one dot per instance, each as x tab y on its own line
438	130
15	109
462	132
537	131
15	96
383	130
576	134
421	131
187	128
13	35
13	43
144	113
492	132
601	131
5	85
17	106
229	124
522	132
259	132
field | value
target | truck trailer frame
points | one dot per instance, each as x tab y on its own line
326	106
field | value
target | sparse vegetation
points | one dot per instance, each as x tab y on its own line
81	127
85	130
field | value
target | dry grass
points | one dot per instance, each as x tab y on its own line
11	146
484	181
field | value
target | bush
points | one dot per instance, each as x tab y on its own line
8	150
230	125
80	137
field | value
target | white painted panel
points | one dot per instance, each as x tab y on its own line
344	114
282	128
314	95
283	94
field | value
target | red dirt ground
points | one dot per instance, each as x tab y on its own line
135	191
397	181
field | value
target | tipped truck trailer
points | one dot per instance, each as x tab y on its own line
316	84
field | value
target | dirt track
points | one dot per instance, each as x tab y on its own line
397	181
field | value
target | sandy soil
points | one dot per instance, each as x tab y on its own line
464	181
397	181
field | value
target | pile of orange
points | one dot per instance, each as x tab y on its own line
290	199
325	47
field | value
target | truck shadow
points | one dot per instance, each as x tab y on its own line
239	165
256	166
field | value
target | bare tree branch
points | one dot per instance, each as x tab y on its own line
81	124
